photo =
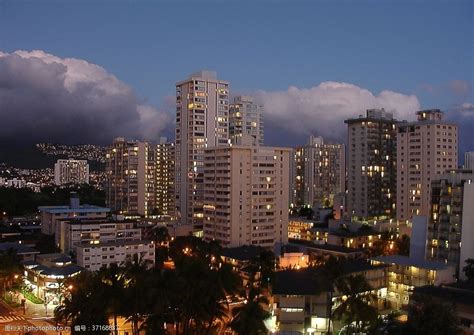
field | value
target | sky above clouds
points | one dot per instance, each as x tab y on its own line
89	71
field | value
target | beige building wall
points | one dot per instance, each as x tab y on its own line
425	149
202	120
246	195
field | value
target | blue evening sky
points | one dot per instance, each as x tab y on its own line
270	45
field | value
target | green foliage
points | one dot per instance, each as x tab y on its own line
358	307
249	318
31	297
193	295
16	202
428	316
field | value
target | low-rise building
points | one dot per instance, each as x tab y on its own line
47	274
405	273
353	239
23	252
461	295
322	251
301	304
94	256
292	257
70	232
51	214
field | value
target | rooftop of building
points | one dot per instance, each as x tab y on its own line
311	281
19	248
92	221
112	243
408	261
242	253
290	248
374	115
458	293
327	247
349	233
68	209
52	271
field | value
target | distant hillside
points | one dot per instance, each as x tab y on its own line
27	156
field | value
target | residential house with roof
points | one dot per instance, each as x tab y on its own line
302	301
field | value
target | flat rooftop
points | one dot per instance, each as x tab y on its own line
68	209
407	261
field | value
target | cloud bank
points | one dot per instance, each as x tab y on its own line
321	110
47	98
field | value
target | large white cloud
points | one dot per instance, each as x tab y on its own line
45	97
321	110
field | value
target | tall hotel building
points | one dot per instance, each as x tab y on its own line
451	224
371	165
246	193
164	182
318	173
130	177
202	120
246	121
426	148
71	171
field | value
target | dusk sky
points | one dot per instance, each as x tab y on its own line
312	64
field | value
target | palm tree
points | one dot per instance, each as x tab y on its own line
136	291
9	268
326	276
249	318
357	301
265	264
160	235
85	305
427	316
113	282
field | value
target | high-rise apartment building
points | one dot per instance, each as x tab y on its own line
246	121
202	120
451	224
371	165
246	194
318	173
71	171
164	178
130	177
425	149
469	160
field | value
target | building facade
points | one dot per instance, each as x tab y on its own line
165	178
94	256
71	232
71	171
469	160
371	165
318	173
202	120
406	273
451	224
246	192
425	149
130	177
245	121
50	215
